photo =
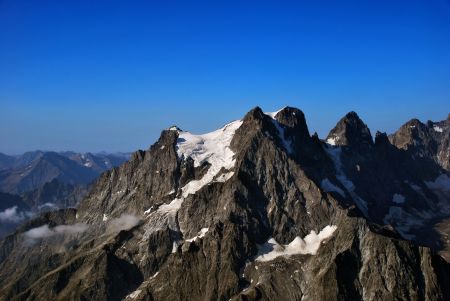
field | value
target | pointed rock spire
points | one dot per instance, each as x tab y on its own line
295	120
350	131
381	138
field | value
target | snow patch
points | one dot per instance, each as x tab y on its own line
438	129
105	217
154	275
175	245
309	245
398	198
333	140
165	216
134	294
273	114
148	210
200	234
172	207
328	186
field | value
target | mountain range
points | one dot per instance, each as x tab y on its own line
259	209
45	180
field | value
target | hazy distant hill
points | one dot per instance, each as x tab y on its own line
30	171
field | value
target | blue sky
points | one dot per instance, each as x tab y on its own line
110	75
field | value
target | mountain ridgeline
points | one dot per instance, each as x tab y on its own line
257	210
40	181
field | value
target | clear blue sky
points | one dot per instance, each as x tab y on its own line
110	75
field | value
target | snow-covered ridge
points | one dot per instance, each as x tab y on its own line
308	245
273	114
213	148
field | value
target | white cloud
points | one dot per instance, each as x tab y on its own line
13	215
44	231
124	222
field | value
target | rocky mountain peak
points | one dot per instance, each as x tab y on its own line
254	115
430	140
294	119
381	138
350	131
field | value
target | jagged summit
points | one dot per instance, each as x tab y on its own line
350	131
431	140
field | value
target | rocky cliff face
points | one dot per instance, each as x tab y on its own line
54	195
257	210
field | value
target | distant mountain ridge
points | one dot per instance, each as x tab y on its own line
19	174
46	181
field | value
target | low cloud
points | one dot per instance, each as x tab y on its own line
44	231
124	222
13	215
